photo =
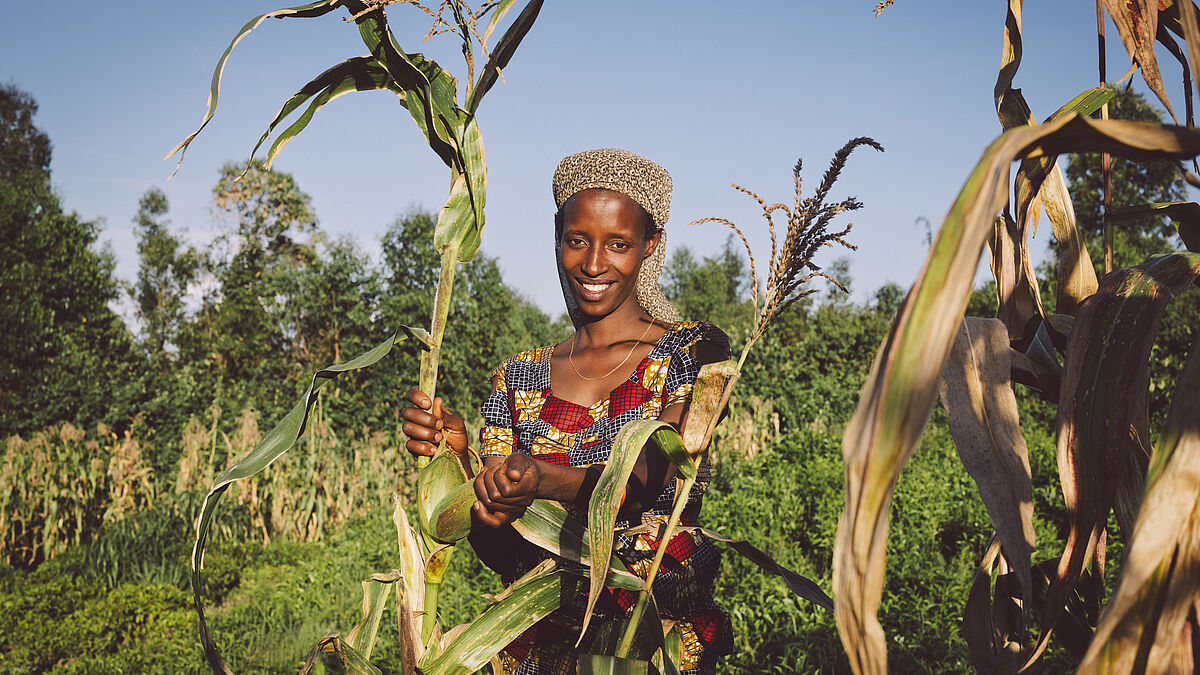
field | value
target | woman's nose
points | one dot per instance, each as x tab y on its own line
593	264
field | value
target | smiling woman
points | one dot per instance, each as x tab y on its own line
554	411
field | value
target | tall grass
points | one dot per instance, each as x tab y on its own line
64	485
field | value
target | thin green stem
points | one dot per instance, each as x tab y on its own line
429	618
428	384
437	329
681	498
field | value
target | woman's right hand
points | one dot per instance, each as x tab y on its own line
427	422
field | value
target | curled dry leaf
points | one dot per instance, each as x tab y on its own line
1137	22
898	394
1102	416
1145	626
981	409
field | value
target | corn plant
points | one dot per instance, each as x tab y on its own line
1091	358
430	94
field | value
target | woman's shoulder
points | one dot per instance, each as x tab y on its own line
522	362
703	340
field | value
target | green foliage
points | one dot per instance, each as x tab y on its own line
59	337
165	269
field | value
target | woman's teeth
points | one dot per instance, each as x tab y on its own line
594	288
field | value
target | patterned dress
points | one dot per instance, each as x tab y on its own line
523	415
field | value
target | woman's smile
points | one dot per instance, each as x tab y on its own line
603	244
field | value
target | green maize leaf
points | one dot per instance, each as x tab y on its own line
672	650
646	642
468	231
1185	215
671	445
504	49
277	441
375	594
899	392
1085	102
331	655
1142	626
524	603
431	92
602	664
981	408
303	11
546	524
1102	415
410	595
361	73
608	495
456	219
799	584
450	521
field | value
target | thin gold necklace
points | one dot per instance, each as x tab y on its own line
571	356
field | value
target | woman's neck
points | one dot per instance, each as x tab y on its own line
625	324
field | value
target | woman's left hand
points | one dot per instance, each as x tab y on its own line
506	489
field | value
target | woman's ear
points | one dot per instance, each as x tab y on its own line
652	244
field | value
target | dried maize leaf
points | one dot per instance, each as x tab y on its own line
981	409
1146	622
898	394
1102	410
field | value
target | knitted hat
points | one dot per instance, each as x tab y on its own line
644	182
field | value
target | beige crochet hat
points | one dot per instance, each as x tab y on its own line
641	180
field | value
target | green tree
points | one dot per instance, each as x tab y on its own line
714	289
488	320
64	354
244	320
1133	183
165	269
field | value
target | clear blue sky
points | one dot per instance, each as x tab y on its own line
714	91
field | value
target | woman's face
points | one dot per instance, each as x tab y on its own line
603	245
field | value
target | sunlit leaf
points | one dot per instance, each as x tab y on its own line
608	496
524	603
375	593
898	395
430	91
1102	416
1145	624
410	596
546	524
704	409
338	657
504	49
357	74
309	10
603	664
981	409
278	441
1137	22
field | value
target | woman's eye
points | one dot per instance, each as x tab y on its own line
620	245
